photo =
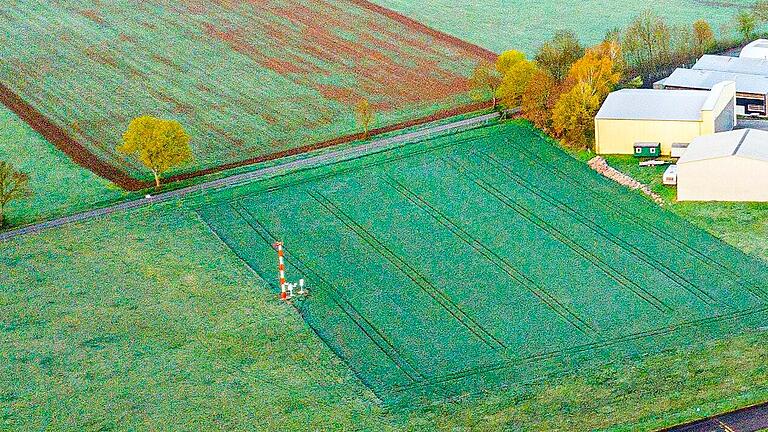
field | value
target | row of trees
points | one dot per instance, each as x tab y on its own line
560	90
563	87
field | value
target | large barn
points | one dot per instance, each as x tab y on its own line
751	90
633	116
728	166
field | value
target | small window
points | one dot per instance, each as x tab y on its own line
638	150
653	150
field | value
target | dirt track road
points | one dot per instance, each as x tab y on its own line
350	153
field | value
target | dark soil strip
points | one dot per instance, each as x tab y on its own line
76	151
440	115
419	27
748	419
83	157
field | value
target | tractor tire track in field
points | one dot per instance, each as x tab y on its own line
374	164
755	291
412	273
583	348
309	371
559	236
362	323
501	263
306	370
597	229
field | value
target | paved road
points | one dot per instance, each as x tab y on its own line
349	153
744	420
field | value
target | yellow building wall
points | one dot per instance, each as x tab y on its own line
619	136
723	179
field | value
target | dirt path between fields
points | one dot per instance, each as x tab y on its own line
333	156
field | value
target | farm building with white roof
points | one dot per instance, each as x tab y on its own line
743	65
633	116
756	49
751	90
728	166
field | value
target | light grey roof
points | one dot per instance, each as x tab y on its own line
747	143
755	49
705	80
647	104
742	65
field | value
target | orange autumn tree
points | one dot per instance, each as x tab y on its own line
592	78
539	99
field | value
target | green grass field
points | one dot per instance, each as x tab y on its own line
60	186
743	225
525	25
245	79
147	320
486	259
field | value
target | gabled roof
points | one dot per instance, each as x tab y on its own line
742	65
646	104
706	80
746	143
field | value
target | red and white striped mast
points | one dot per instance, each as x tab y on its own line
281	270
286	288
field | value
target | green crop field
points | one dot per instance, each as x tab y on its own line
484	259
146	318
246	79
60	186
524	25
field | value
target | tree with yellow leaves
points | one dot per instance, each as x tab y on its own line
159	144
507	59
14	186
573	117
365	114
539	98
515	81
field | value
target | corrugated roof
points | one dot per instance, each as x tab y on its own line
747	143
646	104
742	65
705	80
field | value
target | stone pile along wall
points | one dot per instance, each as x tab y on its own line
600	165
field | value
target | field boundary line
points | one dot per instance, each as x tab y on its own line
547	298
356	316
597	229
334	157
76	151
753	289
374	164
266	282
559	236
411	273
425	29
479	370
